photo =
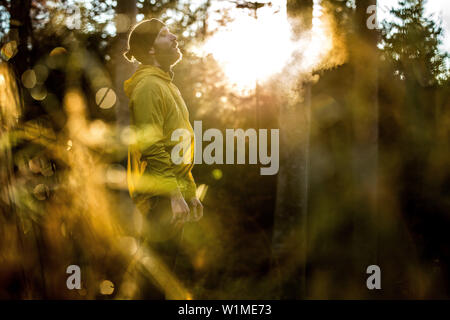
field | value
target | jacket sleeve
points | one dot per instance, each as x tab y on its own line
148	112
191	188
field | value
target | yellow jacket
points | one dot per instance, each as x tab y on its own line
156	110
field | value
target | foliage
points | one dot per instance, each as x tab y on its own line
65	198
412	42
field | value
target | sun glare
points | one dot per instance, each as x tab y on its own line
320	40
251	49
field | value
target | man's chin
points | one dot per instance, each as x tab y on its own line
177	57
170	60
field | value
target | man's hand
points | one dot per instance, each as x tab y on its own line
180	209
197	209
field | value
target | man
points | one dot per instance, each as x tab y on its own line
163	191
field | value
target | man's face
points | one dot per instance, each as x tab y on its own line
166	48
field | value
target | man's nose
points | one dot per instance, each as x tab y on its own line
174	37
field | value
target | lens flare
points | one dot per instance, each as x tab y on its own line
251	49
9	50
105	98
106	287
29	79
258	44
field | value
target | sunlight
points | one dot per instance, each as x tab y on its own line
251	50
320	42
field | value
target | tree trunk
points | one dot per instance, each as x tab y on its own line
290	221
364	109
122	69
20	31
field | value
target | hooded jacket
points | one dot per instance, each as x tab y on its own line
156	111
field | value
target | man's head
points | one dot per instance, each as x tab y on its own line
151	42
165	48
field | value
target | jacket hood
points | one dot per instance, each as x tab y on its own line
142	72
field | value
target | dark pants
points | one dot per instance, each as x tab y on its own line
161	237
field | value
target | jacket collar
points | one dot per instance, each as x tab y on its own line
157	71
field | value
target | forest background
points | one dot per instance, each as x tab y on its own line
364	179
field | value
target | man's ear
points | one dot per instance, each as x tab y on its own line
152	50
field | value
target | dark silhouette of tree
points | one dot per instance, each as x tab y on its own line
411	42
415	92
